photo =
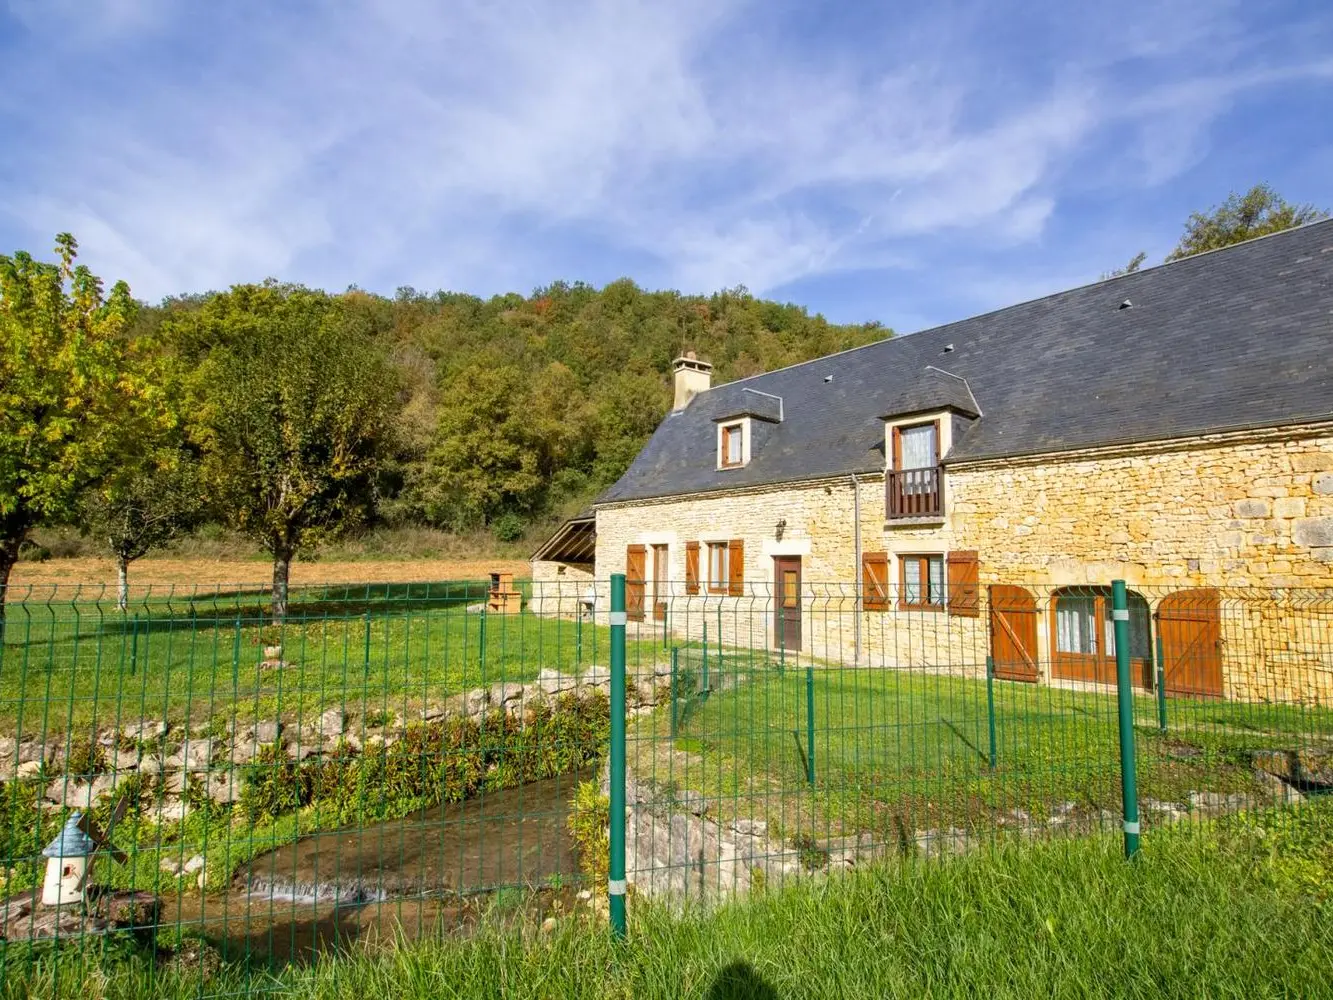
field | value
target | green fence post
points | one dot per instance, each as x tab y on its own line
366	661
810	725
481	651
704	688
615	885
990	705
675	658
1125	700
1161	681
578	640
134	644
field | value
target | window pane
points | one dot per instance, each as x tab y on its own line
733	446
936	581
1138	628
912	580
1075	629
918	446
717	565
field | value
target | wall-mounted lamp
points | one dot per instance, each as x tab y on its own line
779	528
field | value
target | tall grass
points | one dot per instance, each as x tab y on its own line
1240	909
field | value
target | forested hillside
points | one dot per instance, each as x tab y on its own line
514	409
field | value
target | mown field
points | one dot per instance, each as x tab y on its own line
1239	908
91	573
896	751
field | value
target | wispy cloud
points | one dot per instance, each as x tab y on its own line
487	146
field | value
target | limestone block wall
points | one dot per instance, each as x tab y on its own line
818	524
1251	515
558	587
1201	513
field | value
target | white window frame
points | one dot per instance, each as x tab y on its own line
743	425
712	585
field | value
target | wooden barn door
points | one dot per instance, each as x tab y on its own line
1190	624
660	583
1013	633
635	560
787	622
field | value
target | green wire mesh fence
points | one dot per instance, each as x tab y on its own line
397	761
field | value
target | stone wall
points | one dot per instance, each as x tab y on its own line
558	587
1238	513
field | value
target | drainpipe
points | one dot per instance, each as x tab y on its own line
856	569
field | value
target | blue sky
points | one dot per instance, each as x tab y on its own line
907	162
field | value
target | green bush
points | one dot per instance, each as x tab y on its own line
86	759
508	527
275	784
589	824
449	760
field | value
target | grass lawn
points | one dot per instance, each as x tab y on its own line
1237	908
195	660
909	748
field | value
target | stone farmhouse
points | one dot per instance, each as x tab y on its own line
971	490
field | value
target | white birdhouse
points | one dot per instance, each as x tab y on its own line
68	864
69	858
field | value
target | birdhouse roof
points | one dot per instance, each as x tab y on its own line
71	842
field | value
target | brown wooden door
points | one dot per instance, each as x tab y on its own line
1013	633
1082	649
787	593
1190	624
659	583
635	558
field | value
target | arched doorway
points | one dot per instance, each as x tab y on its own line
1013	633
1190	625
1083	637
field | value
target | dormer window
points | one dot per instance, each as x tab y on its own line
731	445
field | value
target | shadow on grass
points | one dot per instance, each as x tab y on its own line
739	981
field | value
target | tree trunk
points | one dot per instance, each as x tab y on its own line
9	555
282	568
122	584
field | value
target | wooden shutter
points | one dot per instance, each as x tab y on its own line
964	589
691	567
635	560
736	567
875	581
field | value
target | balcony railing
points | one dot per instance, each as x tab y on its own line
914	493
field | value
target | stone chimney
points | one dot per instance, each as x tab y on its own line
692	377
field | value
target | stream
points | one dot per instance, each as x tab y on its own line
429	873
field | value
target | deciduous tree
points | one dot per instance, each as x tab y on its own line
1257	212
144	504
71	395
295	413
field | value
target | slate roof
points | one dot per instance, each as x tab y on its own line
1233	339
935	389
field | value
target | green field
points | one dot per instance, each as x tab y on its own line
1236	909
911	748
195	660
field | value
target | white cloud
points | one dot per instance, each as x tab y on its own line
448	144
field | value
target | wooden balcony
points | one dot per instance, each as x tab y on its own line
914	493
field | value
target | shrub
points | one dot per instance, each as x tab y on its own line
451	760
86	758
508	527
590	826
32	552
275	784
